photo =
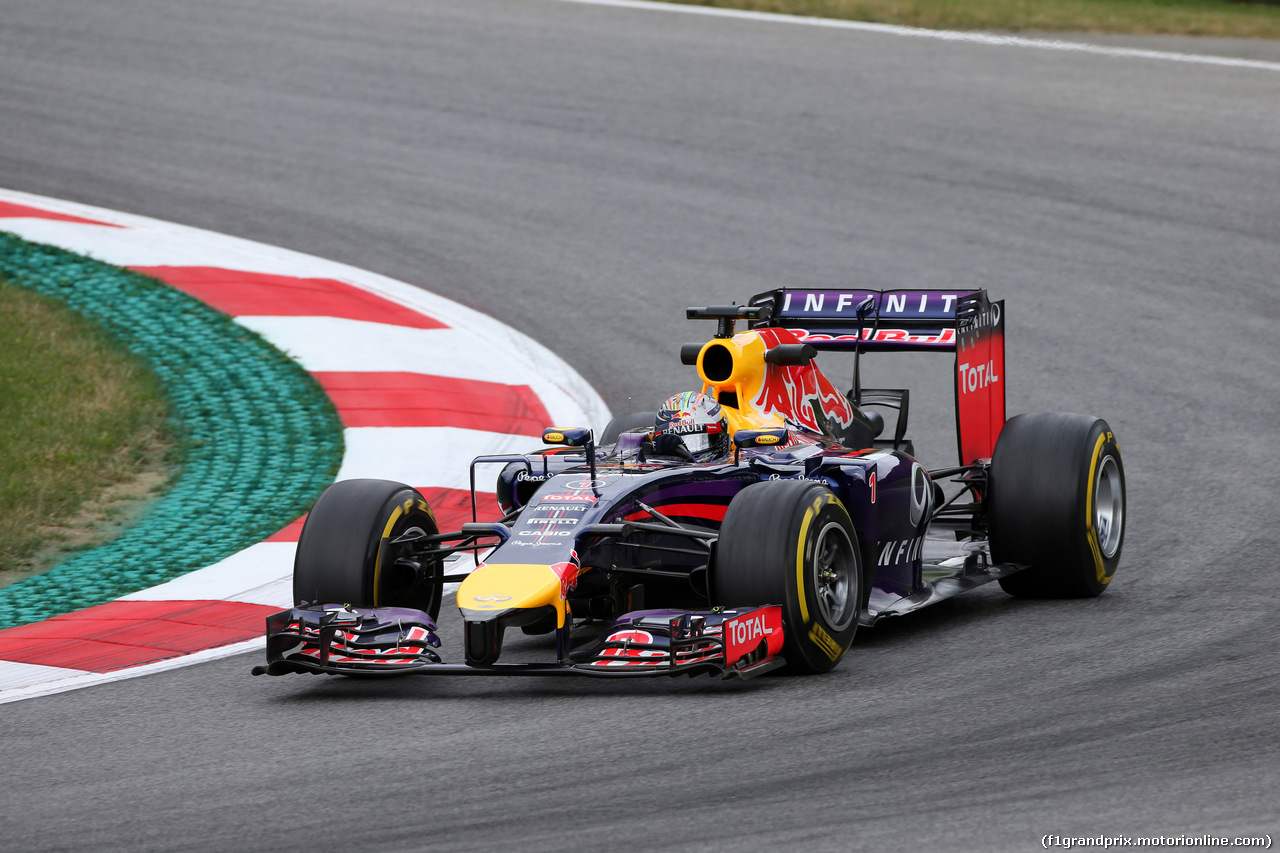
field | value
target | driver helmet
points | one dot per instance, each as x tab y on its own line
697	420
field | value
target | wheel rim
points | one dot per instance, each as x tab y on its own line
391	584
1108	507
833	576
395	579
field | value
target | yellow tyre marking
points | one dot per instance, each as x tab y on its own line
1090	532
824	641
801	541
386	533
425	507
817	633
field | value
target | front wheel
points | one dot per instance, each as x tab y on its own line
1057	504
790	542
346	556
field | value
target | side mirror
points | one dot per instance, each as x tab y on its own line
574	437
571	437
761	437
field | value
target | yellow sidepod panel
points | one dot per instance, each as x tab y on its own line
507	586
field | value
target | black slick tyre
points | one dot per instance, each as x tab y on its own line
791	543
1057	504
345	556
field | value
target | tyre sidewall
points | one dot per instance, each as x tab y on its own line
765	555
404	510
814	644
1042	507
342	551
1101	446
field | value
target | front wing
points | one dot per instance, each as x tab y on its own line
345	640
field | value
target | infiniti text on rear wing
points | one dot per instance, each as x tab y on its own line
965	322
895	320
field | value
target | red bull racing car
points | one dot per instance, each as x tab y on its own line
750	525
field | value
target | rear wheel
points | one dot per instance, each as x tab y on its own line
1057	504
345	555
791	543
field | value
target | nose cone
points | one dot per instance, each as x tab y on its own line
492	591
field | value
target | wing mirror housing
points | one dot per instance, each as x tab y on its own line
745	438
568	436
574	437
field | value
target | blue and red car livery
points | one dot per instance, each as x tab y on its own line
814	520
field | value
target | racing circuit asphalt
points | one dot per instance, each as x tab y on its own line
584	173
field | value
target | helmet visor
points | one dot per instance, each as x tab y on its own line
697	442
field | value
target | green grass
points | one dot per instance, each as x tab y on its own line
1177	17
78	415
257	438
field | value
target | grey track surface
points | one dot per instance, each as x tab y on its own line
584	173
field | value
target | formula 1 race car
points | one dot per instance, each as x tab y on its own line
752	525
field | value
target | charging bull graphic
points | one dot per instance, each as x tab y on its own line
795	391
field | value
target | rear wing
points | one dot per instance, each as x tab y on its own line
898	320
965	322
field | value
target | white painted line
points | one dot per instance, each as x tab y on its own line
260	574
941	35
427	456
277	593
13	674
148	246
73	679
322	344
232	579
48	680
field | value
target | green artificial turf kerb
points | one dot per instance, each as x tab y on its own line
258	438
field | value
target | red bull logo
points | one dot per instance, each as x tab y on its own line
794	391
568	574
626	654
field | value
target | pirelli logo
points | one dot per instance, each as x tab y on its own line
823	641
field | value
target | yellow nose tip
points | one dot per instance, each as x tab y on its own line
507	586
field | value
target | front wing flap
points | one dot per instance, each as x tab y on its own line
340	639
738	642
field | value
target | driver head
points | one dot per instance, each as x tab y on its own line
694	419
